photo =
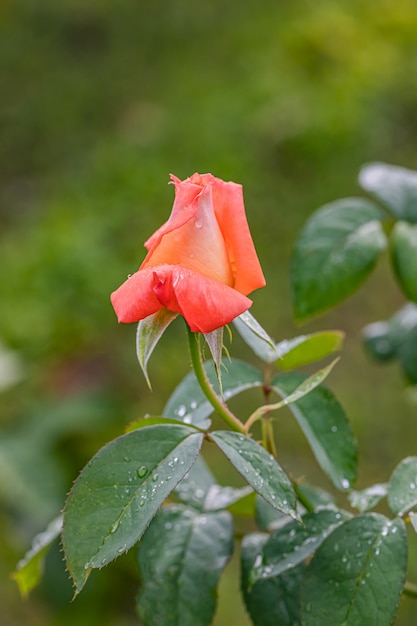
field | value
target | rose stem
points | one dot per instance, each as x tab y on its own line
197	361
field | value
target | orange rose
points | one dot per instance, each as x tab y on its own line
201	263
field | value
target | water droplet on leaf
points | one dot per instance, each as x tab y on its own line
142	471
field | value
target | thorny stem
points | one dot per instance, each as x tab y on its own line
217	403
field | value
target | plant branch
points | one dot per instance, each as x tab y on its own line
217	403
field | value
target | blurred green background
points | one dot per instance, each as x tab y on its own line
99	102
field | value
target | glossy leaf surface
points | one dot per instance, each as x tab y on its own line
403	243
29	570
181	557
119	492
293	543
259	469
357	574
306	349
402	487
336	250
395	187
326	428
273	601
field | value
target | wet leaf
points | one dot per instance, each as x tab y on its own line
219	497
326	428
403	244
193	488
402	487
273	601
29	570
288	546
367	498
357	574
181	557
336	250
259	469
395	187
119	492
306	349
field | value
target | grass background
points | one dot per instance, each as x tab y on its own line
99	102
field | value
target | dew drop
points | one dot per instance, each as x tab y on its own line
412	485
334	429
121	549
199	223
142	471
345	483
142	503
182	410
104	560
155	478
114	527
188	419
193	405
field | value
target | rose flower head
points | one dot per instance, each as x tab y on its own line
201	263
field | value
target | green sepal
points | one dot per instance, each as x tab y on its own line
149	332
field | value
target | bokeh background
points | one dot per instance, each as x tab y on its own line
99	102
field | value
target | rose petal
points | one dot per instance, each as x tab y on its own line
230	212
135	299
205	303
197	244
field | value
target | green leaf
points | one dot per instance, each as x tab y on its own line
367	498
306	349
274	601
413	520
267	518
190	405
181	557
403	245
395	187
407	354
145	422
149	332
383	340
219	497
29	570
293	543
357	574
326	428
336	250
315	496
193	488
256	337
119	492
259	469
402	487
